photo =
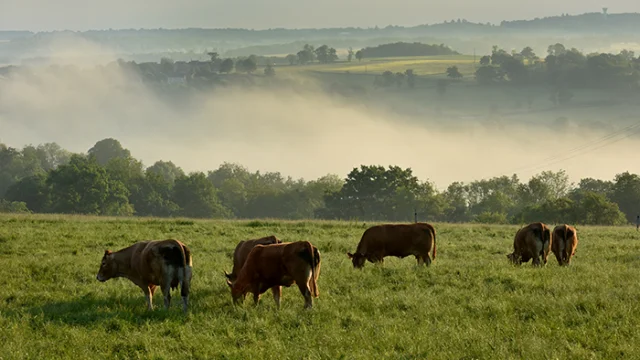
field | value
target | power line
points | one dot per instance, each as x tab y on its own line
557	158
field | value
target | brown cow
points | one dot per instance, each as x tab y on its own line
277	265
150	263
565	242
243	249
399	240
531	242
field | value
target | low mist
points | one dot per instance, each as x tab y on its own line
300	134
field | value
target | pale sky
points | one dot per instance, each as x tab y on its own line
46	15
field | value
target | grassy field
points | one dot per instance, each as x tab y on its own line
471	304
425	65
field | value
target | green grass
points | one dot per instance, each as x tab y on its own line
470	304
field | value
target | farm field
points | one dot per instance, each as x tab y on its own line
470	304
423	65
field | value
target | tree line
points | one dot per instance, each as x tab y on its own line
562	68
107	180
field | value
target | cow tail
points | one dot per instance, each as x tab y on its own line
184	279
433	232
314	285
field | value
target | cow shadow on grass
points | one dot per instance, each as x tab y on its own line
89	310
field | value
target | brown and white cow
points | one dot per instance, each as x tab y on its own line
565	242
399	240
151	263
242	251
277	265
531	242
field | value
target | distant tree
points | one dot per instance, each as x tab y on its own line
105	150
306	55
226	66
453	72
359	55
485	60
411	78
167	170
626	193
269	70
292	59
487	75
350	54
214	56
400	78
32	191
197	197
84	187
388	78
528	53
324	54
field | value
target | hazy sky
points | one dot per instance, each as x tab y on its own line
38	15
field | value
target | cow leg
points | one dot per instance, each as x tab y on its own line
419	259
148	295
304	289
256	294
277	293
427	260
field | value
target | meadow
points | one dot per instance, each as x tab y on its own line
470	304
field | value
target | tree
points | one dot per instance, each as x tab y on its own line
485	60
453	72
32	191
197	197
400	78
167	170
528	53
226	66
292	59
248	65
269	70
350	54
84	187
214	56
306	55
359	55
107	149
626	193
324	54
411	78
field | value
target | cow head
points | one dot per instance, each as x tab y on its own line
513	258
357	259
108	268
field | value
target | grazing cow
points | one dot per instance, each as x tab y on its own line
277	265
150	263
399	240
531	242
565	242
243	249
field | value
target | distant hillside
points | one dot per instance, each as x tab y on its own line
406	49
589	22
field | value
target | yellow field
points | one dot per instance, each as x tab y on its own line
428	65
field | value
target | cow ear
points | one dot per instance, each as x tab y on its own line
350	255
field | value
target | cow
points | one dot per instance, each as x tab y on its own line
399	240
243	249
565	242
531	242
277	265
151	263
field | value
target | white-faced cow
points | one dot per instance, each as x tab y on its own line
151	263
